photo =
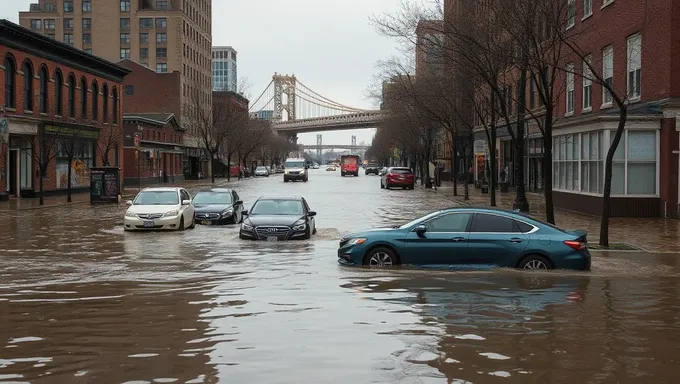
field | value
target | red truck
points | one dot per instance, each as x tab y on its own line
349	165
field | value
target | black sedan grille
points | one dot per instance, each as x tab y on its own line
207	215
150	216
279	232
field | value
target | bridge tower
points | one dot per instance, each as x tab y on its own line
284	85
354	145
319	142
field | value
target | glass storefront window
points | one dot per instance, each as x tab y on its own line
26	163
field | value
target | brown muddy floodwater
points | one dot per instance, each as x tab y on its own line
83	302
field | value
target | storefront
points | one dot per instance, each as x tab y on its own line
16	147
533	164
480	166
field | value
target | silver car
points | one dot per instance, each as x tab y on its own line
261	171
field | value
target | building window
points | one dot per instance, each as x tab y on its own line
68	6
82	156
634	66
105	103
87	38
143	38
570	88
607	74
95	101
532	93
161	37
87	24
49	7
587	84
83	98
125	38
161	5
143	53
10	82
162	67
44	92
87	6
161	52
145	23
125	5
36	24
59	92
50	24
71	96
161	22
571	13
125	23
125	53
68	23
27	69
587	8
68	38
115	105
640	162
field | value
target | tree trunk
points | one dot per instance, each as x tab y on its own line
548	167
454	176
606	196
521	201
228	166
212	167
40	183
68	183
493	166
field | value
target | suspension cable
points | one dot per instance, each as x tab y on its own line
262	94
331	101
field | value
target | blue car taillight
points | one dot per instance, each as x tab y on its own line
576	245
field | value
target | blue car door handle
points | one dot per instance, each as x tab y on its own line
458	239
516	240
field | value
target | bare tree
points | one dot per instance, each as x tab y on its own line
256	134
46	152
109	140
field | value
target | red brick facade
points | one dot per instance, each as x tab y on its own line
27	58
160	155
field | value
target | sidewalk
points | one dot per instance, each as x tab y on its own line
84	197
652	235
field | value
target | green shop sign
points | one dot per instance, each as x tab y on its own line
72	132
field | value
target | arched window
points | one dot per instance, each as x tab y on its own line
59	92
44	93
27	69
10	82
115	106
71	96
95	101
105	103
83	98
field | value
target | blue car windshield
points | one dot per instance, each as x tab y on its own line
426	217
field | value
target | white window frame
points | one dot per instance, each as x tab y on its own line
587	9
607	74
587	94
571	13
569	107
606	3
634	66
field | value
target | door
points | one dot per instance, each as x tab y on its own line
444	242
496	240
13	172
311	220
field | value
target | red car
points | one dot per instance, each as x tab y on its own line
399	177
349	165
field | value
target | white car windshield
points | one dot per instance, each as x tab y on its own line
260	169
277	207
212	198
416	221
157	198
295	164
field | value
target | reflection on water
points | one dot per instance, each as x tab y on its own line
83	302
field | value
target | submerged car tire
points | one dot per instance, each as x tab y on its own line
181	224
381	257
535	262
285	180
193	224
382	186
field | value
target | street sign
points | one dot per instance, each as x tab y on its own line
138	140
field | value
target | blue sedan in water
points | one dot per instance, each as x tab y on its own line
469	238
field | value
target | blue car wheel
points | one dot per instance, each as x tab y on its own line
381	257
535	262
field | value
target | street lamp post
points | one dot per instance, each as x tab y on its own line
138	142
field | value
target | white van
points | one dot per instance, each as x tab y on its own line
295	169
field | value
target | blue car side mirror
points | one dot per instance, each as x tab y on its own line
420	230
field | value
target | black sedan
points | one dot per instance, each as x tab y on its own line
372	168
275	218
218	206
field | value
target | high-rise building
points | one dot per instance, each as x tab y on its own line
224	72
164	35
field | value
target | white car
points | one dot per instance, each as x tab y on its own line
160	209
261	171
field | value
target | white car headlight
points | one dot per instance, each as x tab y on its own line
300	226
246	227
130	214
171	213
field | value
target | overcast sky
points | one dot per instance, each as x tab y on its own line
330	45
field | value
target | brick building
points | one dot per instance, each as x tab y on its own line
630	43
149	92
159	157
56	94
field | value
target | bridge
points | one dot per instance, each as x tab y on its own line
325	146
294	108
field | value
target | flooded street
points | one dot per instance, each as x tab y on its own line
81	301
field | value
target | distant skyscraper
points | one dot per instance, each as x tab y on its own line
265	114
224	72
